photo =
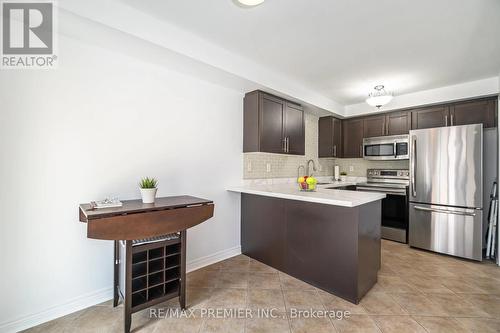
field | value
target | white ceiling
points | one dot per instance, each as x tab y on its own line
343	48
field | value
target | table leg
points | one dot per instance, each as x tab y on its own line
115	275
127	306
182	291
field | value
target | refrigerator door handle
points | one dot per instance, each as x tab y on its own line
443	210
413	165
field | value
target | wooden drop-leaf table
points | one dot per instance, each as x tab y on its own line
147	273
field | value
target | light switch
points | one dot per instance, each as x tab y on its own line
249	166
351	168
268	167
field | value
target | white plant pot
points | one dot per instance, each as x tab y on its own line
148	195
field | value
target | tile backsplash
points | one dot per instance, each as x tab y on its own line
285	166
255	165
360	165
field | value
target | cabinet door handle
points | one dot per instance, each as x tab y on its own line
335	151
361	150
451	119
283	144
287	144
446	120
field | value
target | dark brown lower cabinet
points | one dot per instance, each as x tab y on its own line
334	248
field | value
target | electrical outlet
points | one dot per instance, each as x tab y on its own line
320	168
268	167
249	166
351	168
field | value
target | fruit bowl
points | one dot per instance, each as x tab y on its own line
304	187
307	184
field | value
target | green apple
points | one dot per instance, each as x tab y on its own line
311	181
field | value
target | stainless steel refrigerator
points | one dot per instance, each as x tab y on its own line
446	190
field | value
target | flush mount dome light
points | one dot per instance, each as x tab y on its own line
250	3
379	97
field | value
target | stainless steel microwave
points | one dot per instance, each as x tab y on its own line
395	147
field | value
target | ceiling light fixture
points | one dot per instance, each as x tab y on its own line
250	3
379	97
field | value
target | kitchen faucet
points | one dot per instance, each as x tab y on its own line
308	170
298	170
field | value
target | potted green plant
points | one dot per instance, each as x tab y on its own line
148	187
343	176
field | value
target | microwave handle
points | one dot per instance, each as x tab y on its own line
395	149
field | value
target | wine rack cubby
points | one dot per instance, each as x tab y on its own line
155	271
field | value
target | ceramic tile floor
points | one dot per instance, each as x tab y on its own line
417	291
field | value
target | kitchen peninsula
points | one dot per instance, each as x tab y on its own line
329	238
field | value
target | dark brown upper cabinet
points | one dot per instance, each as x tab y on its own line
397	123
429	117
479	111
272	125
474	112
329	137
294	129
352	130
373	126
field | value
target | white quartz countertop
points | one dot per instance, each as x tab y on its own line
322	195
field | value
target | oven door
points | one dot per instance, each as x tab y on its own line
394	212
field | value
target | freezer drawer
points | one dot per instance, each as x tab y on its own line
450	230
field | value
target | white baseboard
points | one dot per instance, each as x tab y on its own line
212	258
74	305
99	296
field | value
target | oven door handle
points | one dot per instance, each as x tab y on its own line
381	190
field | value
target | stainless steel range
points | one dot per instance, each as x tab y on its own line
394	183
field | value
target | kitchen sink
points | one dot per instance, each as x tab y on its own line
347	187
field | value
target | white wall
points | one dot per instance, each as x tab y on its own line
91	129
